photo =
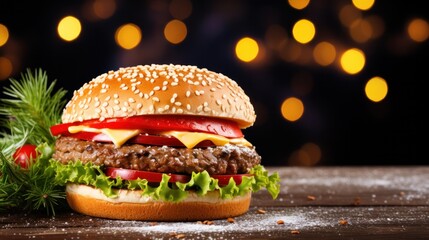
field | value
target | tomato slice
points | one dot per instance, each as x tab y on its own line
223	180
130	174
159	123
143	138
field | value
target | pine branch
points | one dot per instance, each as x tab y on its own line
33	107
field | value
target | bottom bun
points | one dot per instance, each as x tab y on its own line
131	205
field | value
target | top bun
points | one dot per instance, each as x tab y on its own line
160	89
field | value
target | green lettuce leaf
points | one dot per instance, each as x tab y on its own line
201	183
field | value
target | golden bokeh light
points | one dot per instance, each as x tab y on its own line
361	30
180	9
348	14
104	8
69	28
276	37
246	49
6	68
418	30
292	109
303	31
377	25
291	51
175	31
363	4
128	36
353	61
376	89
299	4
4	34
308	155
324	53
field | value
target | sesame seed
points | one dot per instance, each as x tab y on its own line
156	99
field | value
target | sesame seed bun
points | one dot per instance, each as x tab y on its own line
131	205
160	89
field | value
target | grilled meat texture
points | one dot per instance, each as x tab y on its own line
228	159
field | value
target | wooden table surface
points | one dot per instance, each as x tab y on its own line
315	203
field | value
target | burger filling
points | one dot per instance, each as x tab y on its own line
227	159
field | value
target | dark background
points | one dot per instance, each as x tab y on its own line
338	118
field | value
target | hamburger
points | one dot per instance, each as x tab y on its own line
159	142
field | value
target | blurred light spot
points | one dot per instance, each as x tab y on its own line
180	9
303	31
299	4
292	109
308	155
128	36
324	53
363	4
348	14
313	151
246	49
4	34
418	30
353	61
175	31
291	51
361	30
376	89
104	8
69	28
377	25
275	37
5	68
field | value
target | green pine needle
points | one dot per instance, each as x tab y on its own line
32	106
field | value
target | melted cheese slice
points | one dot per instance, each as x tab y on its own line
118	136
189	139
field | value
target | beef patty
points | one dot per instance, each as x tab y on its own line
228	159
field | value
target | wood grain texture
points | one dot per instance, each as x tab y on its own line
315	203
